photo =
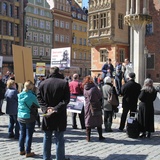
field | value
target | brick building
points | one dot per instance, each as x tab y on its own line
11	30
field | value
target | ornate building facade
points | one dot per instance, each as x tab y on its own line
11	30
107	33
80	54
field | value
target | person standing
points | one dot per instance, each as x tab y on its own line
146	109
2	92
77	90
130	92
107	69
53	97
118	77
107	107
12	109
127	68
93	108
26	120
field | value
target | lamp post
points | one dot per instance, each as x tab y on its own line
145	60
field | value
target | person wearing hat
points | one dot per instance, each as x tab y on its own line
77	90
107	107
130	92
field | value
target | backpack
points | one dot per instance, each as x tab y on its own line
113	99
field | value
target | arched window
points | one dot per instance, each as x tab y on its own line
4	8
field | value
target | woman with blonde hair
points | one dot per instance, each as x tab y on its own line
26	120
146	109
12	109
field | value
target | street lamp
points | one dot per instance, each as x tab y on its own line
145	59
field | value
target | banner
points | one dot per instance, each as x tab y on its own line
60	57
76	104
40	69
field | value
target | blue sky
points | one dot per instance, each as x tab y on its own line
85	3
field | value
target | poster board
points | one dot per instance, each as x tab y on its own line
40	69
61	57
76	104
22	61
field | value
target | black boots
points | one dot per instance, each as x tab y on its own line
99	129
88	133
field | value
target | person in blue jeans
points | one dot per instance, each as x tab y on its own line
12	109
53	97
26	120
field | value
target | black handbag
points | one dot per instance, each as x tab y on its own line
33	109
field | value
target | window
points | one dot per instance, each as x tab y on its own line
35	22
41	38
103	55
79	16
80	28
80	41
80	55
16	12
84	17
67	25
29	21
10	31
48	52
84	42
35	50
48	25
57	23
4	9
75	40
35	37
84	55
57	37
74	56
73	14
67	39
121	55
35	10
62	38
16	30
62	24
29	36
150	61
95	22
10	10
41	51
103	20
41	24
85	29
89	56
149	29
75	27
120	21
41	12
48	39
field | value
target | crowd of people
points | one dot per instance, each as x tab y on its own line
53	95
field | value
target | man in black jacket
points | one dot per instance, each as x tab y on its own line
53	97
130	92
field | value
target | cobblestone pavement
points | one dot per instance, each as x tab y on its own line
116	146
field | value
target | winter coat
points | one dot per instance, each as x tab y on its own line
130	92
76	87
25	100
54	92
105	90
146	110
105	67
92	96
12	101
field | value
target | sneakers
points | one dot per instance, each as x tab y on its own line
31	154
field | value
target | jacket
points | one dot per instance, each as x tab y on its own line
54	92
12	101
130	92
25	100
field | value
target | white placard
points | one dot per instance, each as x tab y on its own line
1	61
